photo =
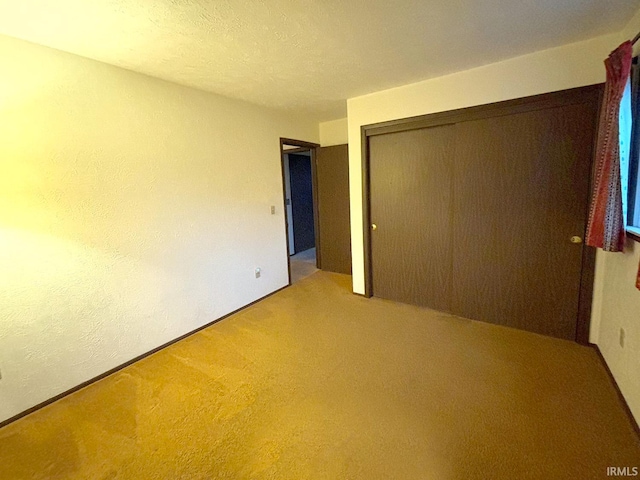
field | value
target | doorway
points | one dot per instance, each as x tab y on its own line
301	207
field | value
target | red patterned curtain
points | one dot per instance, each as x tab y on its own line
606	227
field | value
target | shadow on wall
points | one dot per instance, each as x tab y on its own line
58	301
129	215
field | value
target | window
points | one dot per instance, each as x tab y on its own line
630	151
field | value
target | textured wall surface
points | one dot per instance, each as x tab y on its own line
335	132
620	309
304	53
132	211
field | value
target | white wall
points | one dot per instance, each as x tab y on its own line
132	211
334	132
574	65
620	308
616	302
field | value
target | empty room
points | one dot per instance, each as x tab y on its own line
319	240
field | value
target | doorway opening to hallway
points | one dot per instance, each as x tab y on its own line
301	207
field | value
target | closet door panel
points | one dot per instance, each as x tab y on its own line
521	190
410	185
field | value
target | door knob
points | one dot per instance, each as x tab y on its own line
374	226
576	239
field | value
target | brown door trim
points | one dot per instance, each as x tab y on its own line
508	107
588	259
298	143
314	180
520	105
366	213
316	200
296	150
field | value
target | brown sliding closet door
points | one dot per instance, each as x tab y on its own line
521	191
482	212
410	182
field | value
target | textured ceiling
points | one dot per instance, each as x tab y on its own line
302	54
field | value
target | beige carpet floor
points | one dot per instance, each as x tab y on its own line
303	264
317	383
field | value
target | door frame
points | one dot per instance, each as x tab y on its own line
572	96
302	146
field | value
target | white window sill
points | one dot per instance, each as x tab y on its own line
633	233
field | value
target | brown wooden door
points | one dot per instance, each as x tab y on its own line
521	192
475	217
332	170
410	185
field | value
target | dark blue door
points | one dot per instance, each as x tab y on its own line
302	201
